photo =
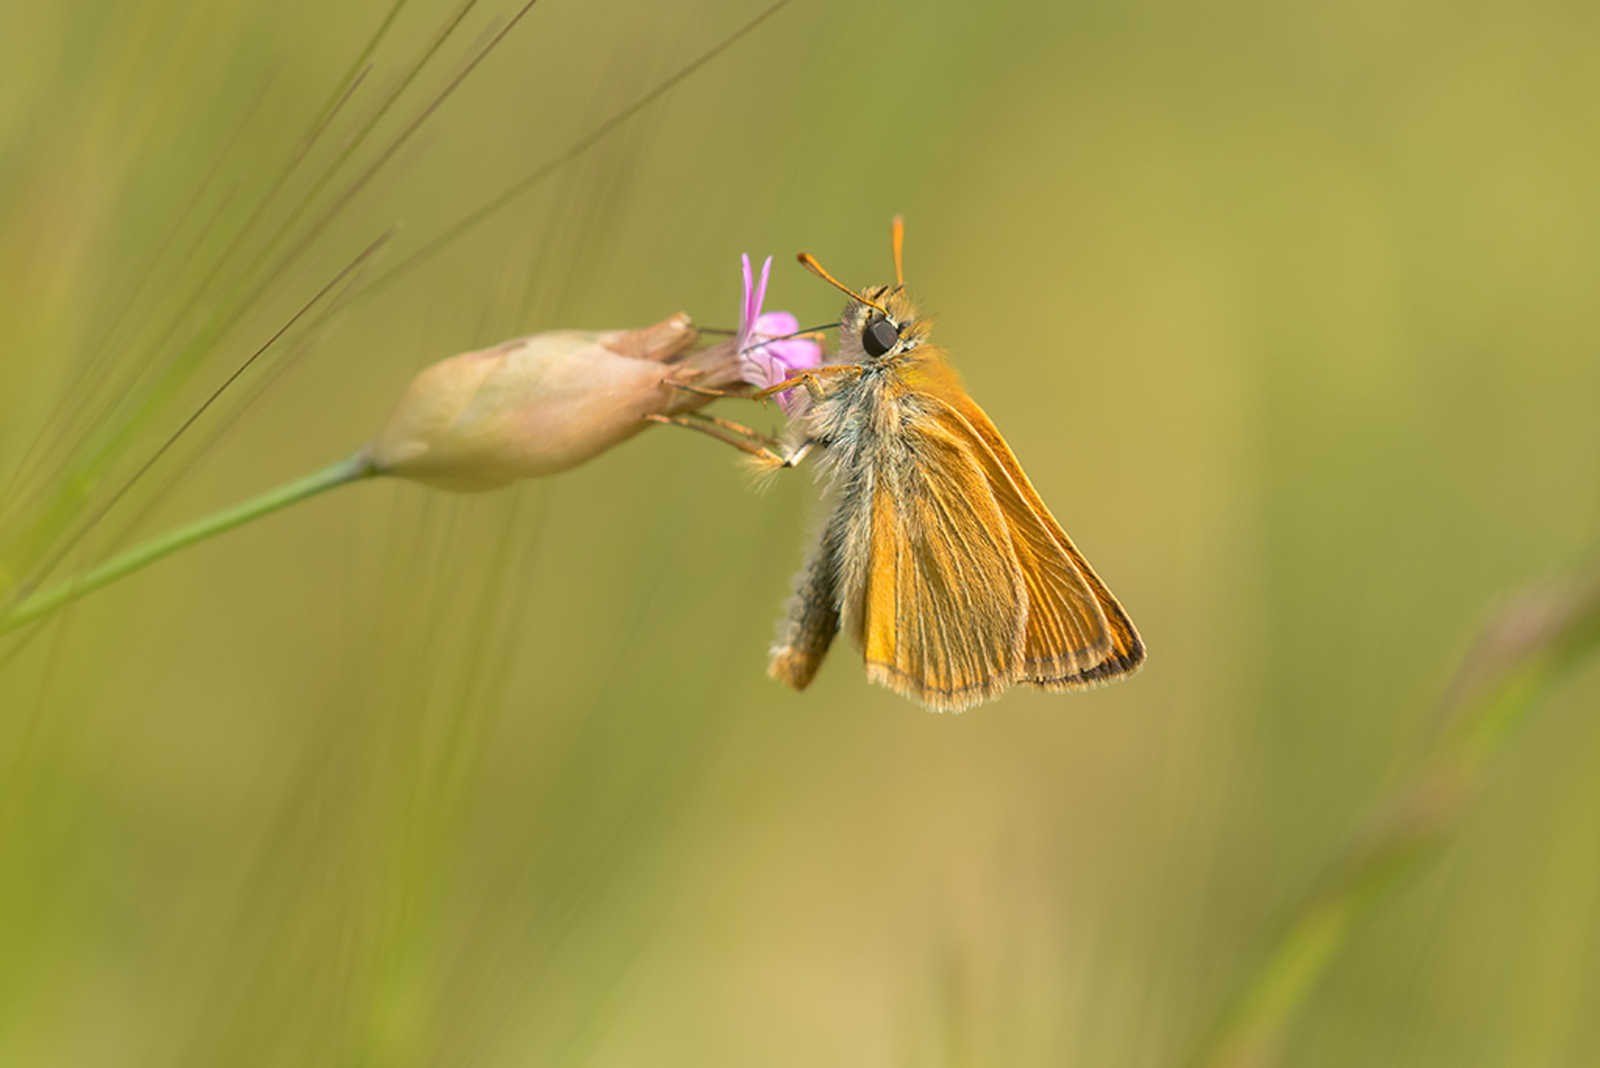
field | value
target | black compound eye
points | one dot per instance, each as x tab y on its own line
879	337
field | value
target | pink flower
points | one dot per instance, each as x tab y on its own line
767	355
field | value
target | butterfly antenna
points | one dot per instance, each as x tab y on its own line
898	236
817	269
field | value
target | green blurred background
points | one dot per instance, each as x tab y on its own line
1290	312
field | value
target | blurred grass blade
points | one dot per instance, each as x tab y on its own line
52	528
1527	649
577	148
51	521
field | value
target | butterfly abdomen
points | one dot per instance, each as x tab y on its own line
812	618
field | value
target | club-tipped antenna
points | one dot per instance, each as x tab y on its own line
898	236
821	272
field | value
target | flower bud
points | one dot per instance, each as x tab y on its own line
541	404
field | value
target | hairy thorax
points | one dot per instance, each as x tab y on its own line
860	414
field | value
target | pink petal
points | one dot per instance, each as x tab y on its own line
797	353
761	290
747	316
776	324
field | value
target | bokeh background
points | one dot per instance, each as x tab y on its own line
1289	310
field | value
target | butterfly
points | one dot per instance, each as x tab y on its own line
937	556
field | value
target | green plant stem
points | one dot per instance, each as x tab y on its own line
351	469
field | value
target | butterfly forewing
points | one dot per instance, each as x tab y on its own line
1077	634
941	616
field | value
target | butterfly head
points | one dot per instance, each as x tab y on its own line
879	325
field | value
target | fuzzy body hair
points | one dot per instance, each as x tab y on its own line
855	419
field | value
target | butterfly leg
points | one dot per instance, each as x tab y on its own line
811	380
704	391
742	438
736	428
